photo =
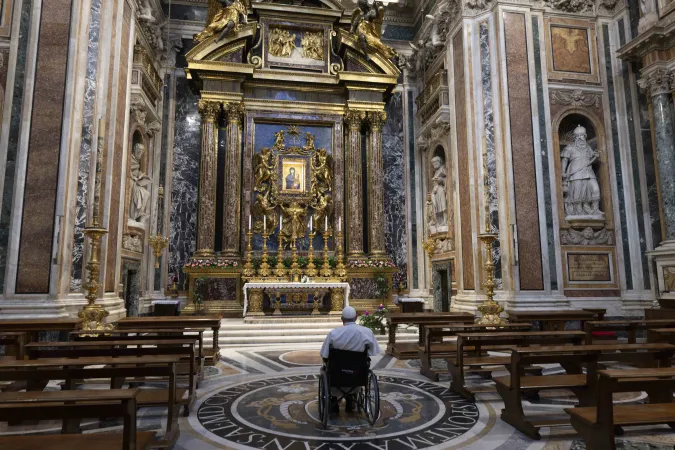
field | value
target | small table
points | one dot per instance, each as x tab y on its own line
555	319
253	295
411	305
166	307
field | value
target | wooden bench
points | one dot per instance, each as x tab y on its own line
178	322
71	407
141	335
409	350
555	319
128	348
14	342
434	347
571	358
631	327
39	372
597	424
664	335
477	342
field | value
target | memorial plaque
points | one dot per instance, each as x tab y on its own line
588	267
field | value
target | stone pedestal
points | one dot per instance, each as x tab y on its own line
208	176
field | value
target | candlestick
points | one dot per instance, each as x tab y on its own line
490	309
296	272
265	270
280	269
311	271
325	269
249	269
340	268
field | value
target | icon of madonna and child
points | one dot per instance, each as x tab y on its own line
294	176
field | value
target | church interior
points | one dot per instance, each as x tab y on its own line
193	193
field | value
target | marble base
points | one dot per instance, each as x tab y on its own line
23	307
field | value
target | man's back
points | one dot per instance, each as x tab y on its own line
350	337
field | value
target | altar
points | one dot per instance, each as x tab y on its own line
295	298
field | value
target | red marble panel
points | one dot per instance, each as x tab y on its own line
117	154
37	227
522	147
463	164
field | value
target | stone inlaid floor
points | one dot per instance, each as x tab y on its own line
265	398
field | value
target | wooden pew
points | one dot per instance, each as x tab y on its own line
597	424
14	342
139	348
629	326
72	406
409	350
476	342
163	334
176	322
555	319
664	335
38	372
434	347
511	387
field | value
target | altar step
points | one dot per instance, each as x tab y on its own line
278	332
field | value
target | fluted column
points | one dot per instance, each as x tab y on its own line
208	175
659	83
232	192
376	119
354	174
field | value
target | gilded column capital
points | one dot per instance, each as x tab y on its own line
658	81
209	110
354	118
377	119
235	112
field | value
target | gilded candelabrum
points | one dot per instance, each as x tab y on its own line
280	269
340	268
249	269
325	269
158	244
490	309
295	271
265	270
311	271
93	315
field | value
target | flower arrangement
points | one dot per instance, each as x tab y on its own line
201	285
211	264
368	264
382	284
376	320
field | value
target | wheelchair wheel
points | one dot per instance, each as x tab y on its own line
324	398
372	398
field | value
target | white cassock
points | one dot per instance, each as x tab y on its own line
350	337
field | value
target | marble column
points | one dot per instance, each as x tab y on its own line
232	193
376	119
208	176
659	83
354	174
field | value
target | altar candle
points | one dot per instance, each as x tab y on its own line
264	223
310	223
339	224
249	222
326	226
281	222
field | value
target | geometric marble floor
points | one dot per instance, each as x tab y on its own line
265	398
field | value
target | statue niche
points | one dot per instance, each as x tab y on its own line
580	159
438	199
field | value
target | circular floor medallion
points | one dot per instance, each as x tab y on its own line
302	358
282	412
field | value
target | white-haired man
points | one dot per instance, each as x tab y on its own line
353	337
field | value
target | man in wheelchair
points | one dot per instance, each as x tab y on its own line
350	337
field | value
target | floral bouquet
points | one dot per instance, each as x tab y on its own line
376	321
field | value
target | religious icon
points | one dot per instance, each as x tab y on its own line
294	175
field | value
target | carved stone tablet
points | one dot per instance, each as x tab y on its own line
588	267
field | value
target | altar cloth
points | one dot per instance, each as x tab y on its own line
301	286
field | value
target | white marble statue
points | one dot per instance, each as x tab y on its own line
140	187
439	199
580	184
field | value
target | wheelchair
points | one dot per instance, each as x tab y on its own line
349	372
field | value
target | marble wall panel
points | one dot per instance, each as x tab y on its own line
463	163
394	185
438	271
131	282
364	289
185	187
14	132
4	58
37	227
118	153
413	200
218	289
76	274
522	148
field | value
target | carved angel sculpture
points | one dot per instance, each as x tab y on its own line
587	236
265	165
224	16
321	165
264	207
367	26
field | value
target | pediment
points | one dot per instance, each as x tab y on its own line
213	50
350	48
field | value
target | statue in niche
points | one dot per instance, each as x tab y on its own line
439	198
140	186
367	26
225	16
580	184
429	214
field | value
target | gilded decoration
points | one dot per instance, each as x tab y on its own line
367	27
282	42
293	178
224	17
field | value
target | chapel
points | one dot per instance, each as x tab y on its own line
201	199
